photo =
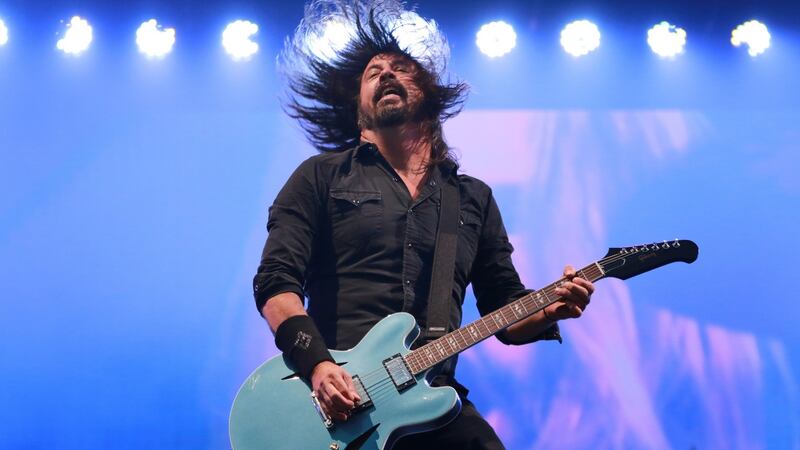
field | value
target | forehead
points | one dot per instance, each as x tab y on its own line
388	58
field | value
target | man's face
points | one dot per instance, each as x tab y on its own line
389	93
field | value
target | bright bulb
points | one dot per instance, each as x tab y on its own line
77	37
754	34
580	37
333	38
3	33
496	39
153	40
413	33
236	39
666	40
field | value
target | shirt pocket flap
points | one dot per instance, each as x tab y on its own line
356	197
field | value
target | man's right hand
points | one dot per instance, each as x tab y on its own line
334	389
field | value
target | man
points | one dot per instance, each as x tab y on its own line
354	228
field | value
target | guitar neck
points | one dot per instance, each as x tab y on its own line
455	342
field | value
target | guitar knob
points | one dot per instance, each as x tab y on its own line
334	446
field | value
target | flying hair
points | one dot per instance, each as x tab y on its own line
324	59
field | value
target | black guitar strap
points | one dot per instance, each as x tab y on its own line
444	261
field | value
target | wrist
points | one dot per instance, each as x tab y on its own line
302	344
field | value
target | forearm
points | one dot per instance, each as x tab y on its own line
527	329
280	307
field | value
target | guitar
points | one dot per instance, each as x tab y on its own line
276	409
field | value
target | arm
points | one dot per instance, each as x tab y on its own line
496	282
332	384
278	288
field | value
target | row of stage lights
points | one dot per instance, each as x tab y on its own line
494	39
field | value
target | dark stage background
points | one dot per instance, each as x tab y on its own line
134	194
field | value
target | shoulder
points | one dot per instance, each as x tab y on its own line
474	188
325	166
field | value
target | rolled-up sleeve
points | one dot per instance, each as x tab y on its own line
495	281
293	218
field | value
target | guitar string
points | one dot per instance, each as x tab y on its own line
613	258
417	360
629	251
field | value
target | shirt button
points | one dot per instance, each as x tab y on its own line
408	281
409	245
411	211
433	182
396	179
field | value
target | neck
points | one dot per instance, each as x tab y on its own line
405	147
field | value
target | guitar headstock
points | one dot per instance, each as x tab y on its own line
627	262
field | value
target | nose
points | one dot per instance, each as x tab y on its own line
387	73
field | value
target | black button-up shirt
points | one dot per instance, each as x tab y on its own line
345	232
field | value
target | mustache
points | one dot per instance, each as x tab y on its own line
390	84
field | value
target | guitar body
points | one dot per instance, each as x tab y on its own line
274	409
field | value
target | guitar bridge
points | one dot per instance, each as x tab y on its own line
399	372
326	419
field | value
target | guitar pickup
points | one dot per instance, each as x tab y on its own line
366	401
399	372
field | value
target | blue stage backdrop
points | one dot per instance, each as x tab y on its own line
134	196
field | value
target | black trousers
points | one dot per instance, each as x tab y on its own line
468	431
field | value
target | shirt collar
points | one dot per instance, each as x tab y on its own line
445	169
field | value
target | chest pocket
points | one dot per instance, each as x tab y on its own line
356	217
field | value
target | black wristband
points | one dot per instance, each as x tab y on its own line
300	341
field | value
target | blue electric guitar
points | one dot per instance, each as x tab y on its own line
277	410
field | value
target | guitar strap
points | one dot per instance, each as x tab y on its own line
444	261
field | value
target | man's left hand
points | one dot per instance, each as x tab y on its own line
575	295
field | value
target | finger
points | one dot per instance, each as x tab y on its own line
351	387
569	272
578	294
576	311
574	294
340	402
324	402
341	385
586	284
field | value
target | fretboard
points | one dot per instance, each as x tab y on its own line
465	337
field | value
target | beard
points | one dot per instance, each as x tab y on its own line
387	115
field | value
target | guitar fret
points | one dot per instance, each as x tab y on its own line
499	322
473	333
453	344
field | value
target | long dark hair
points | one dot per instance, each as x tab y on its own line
323	88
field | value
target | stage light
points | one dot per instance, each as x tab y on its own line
666	40
580	37
413	34
496	39
333	38
77	37
754	34
153	40
3	33
236	39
